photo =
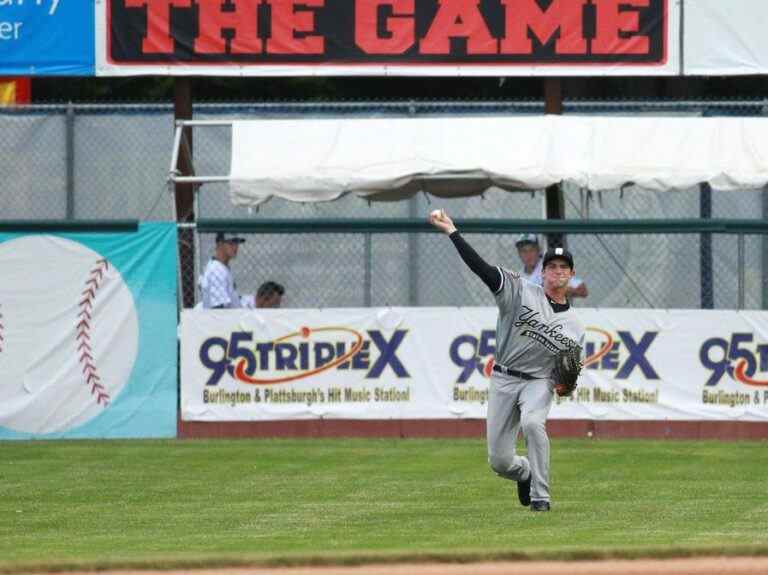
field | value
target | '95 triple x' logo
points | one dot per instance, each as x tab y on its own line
624	356
739	358
300	354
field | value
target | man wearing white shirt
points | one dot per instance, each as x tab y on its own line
530	254
217	285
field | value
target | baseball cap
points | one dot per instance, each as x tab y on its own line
558	254
224	237
527	239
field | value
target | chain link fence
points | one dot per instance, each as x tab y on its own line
107	162
81	162
360	269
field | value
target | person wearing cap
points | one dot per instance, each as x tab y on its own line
534	324
217	284
529	250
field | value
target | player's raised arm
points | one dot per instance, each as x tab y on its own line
490	275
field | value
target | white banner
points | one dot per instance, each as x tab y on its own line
725	37
433	363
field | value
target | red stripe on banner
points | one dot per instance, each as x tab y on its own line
23	90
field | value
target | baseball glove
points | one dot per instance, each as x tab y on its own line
567	369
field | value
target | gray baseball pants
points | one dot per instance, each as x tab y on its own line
515	404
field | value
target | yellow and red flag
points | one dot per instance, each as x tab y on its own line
15	91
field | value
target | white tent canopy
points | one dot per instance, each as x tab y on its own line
310	160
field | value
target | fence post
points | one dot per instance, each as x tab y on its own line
184	193
413	243
367	255
413	257
555	205
69	156
764	241
705	249
741	270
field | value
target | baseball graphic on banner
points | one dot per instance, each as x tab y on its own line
68	334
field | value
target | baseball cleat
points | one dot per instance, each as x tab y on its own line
540	506
524	492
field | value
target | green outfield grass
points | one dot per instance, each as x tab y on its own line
186	503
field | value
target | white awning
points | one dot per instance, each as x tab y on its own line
309	160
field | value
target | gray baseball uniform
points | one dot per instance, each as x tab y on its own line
530	329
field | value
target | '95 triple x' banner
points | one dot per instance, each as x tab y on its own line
353	32
435	363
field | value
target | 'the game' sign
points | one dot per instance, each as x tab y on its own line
415	33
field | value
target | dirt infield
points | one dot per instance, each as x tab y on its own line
696	566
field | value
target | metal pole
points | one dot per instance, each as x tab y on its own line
705	249
196	245
186	123
742	271
555	206
70	160
681	41
174	169
367	277
413	258
172	172
184	192
764	241
199	179
179	236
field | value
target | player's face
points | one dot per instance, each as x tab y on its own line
529	254
557	274
232	248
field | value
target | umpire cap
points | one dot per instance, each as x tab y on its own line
558	254
224	237
524	239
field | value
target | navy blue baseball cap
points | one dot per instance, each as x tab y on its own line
525	239
224	237
558	254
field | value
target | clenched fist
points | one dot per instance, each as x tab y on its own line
441	221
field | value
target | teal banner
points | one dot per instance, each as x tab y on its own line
88	334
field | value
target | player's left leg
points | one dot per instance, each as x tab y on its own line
535	403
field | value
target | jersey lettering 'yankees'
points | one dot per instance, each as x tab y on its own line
547	334
534	322
529	316
531	327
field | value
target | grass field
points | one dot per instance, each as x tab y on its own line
185	503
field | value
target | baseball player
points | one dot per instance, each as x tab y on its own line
531	257
217	285
533	325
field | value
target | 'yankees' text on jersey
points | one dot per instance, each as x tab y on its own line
529	332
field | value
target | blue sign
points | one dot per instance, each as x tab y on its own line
47	37
88	334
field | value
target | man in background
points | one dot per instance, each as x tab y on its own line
217	284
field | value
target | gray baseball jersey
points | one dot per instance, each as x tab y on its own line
528	331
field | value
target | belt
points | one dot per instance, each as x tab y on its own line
511	372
